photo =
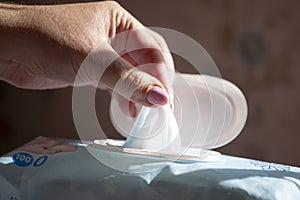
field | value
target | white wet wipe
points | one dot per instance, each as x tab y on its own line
155	129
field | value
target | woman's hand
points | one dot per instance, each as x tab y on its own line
44	46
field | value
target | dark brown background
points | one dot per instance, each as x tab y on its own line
255	45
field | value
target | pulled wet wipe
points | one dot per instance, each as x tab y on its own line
155	129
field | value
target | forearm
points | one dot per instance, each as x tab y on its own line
10	14
14	20
50	2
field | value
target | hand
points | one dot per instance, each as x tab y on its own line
43	47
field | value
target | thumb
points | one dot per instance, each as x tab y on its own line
134	84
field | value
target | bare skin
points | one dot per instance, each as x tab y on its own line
42	47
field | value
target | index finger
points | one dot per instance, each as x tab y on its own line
148	50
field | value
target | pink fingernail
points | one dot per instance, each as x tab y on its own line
157	96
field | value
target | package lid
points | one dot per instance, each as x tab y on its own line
210	111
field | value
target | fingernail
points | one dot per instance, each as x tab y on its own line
157	96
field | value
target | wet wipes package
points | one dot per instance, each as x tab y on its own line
49	168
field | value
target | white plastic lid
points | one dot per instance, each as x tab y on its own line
210	111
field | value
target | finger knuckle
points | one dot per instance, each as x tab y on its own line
113	4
